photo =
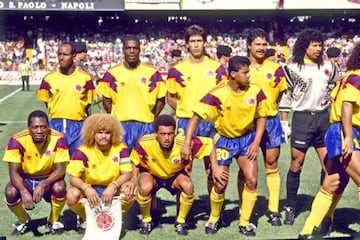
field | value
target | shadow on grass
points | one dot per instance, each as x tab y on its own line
2	124
35	224
200	211
343	218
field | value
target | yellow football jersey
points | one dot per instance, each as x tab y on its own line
192	81
348	89
233	113
35	164
271	79
95	168
133	92
67	96
148	154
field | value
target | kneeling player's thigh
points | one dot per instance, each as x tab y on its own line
146	183
183	183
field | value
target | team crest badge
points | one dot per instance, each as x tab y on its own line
251	101
176	160
268	76
78	87
210	73
143	80
115	159
48	152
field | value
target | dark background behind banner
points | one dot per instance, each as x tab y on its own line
66	5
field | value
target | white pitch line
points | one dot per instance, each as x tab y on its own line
10	95
11	122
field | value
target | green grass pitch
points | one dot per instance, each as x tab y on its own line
13	115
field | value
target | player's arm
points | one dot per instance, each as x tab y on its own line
129	188
57	175
186	153
16	179
107	104
172	100
253	148
160	104
114	187
346	119
88	191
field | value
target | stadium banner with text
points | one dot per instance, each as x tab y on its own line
63	5
13	78
239	5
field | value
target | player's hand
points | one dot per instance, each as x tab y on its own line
39	192
108	194
92	196
252	151
220	176
347	147
188	168
27	200
129	189
286	130
186	153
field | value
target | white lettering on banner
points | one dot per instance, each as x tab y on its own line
1	5
12	77
12	5
32	5
77	5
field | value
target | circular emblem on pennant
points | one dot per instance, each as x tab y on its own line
104	220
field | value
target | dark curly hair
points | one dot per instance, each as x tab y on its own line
164	120
353	62
303	41
253	34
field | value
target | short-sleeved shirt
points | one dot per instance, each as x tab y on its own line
133	92
22	149
67	96
233	113
271	79
192	81
148	155
96	168
348	89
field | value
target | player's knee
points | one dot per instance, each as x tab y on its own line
271	164
145	188
251	182
331	183
187	186
72	196
11	193
220	188
59	189
295	167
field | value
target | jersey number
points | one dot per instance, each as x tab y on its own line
222	154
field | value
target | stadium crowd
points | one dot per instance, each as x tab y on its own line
105	49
